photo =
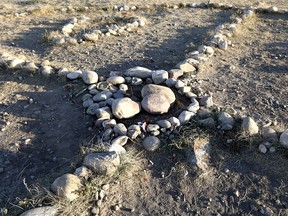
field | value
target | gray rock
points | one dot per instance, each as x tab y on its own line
120	129
262	148
42	211
86	97
208	122
159	76
151	143
103	113
191	96
194	106
102	103
223	44
118	95
87	103
171	82
134	131
103	163
175	73
109	123
136	81
185	116
102	96
164	124
109	101
121	140
225	118
154	89
66	186
269	134
202	150
284	139
206	50
89	77
272	149
139	72
107	134
125	108
92	109
249	126
116	80
155	104
149	81
174	122
206	101
179	84
183	90
152	127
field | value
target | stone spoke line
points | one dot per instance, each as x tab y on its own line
109	101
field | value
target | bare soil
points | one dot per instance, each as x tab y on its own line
250	77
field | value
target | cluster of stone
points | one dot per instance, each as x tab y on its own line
95	35
125	8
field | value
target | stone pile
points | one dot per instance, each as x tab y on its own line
109	100
95	35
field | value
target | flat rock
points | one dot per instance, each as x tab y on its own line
202	151
41	211
125	108
74	75
164	124
90	37
206	101
89	77
249	126
102	96
103	113
194	106
185	67
66	186
155	89
139	72
116	80
92	109
151	143
155	104
103	163
118	149
175	73
284	139
121	140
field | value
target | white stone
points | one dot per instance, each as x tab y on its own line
121	140
102	96
116	80
179	84
125	108
89	77
42	211
74	75
103	113
155	103
92	109
262	148
185	116
139	72
194	106
82	172
249	126
174	122
47	70
90	37
117	148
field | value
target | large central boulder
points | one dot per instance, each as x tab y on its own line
155	104
124	108
158	89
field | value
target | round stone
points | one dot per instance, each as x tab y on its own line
125	108
157	89
249	126
155	104
159	76
164	124
151	143
284	139
116	80
90	77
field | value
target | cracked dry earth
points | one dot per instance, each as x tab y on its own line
42	139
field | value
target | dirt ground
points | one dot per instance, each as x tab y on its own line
250	77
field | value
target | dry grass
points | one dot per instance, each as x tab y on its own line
44	10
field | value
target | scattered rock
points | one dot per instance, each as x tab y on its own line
125	108
249	126
194	106
175	73
90	37
116	80
174	122
185	67
226	120
155	104
202	151
157	89
47	70
103	163
136	81
171	82
152	127
66	186
102	96
151	143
